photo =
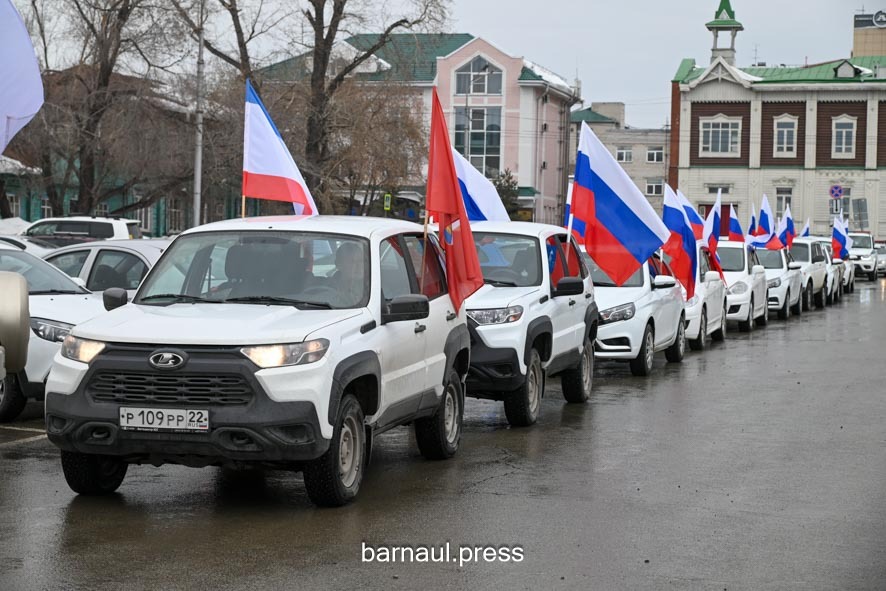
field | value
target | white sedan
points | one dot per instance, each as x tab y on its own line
784	280
706	310
56	305
643	316
746	281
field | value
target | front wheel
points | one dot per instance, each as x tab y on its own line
829	298
12	400
797	308
578	381
642	364
333	479
438	436
748	325
872	276
674	353
719	335
764	319
92	474
699	343
785	311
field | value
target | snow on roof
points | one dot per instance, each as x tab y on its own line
12	226
11	166
548	76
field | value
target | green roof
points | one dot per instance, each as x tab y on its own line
811	74
591	116
412	57
724	18
526	192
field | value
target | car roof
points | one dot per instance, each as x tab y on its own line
337	224
7	246
83	218
523	228
139	245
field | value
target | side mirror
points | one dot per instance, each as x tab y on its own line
756	269
838	261
114	297
663	282
711	276
795	266
406	307
79	282
569	286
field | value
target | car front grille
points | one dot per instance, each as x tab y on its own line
156	388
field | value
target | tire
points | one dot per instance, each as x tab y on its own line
700	343
764	319
642	365
829	298
797	308
522	405
92	474
872	276
719	335
749	324
333	479
807	297
577	382
438	436
12	401
785	311
674	353
819	298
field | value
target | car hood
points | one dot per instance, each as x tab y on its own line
775	273
865	252
609	297
489	296
210	324
69	308
733	276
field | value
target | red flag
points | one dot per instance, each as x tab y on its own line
444	202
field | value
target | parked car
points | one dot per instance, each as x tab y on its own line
706	309
810	254
56	303
535	318
35	246
78	229
746	293
849	276
881	258
784	281
251	358
864	254
109	263
834	267
644	315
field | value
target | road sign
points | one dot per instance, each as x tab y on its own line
387	202
836	192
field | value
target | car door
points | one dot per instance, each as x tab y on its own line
713	290
575	267
73	263
427	267
660	312
673	298
758	282
562	307
794	276
402	355
116	268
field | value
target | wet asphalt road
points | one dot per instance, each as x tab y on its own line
760	464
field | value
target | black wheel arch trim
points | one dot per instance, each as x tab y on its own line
364	363
592	316
539	326
458	340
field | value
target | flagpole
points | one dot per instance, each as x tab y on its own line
243	207
425	253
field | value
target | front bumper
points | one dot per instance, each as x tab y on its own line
737	306
493	370
777	296
620	340
865	266
246	425
693	321
40	354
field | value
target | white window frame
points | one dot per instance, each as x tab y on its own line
478	80
175	216
844	155
790	150
102	210
624	154
652	184
780	203
15	205
45	208
719	120
655	154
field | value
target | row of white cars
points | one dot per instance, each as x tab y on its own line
294	342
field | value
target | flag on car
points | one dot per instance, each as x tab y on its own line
269	172
618	226
765	227
838	240
711	234
21	92
694	219
681	246
752	224
735	231
786	230
481	199
445	204
805	231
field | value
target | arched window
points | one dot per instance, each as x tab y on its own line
478	77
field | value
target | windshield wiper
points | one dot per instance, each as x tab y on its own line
277	300
54	291
178	297
499	283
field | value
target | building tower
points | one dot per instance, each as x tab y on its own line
724	21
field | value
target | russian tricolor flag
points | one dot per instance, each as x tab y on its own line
752	224
786	230
711	234
694	219
681	246
481	199
805	232
269	172
766	227
735	231
621	230
838	240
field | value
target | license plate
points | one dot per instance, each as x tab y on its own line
164	419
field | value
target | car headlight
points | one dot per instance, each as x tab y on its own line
82	350
773	283
50	330
692	301
617	314
738	288
867	258
266	356
496	315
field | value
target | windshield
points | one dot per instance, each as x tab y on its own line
304	269
861	241
40	275
508	259
800	252
770	259
601	279
731	259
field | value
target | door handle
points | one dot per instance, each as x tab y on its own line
451	316
571	302
420	328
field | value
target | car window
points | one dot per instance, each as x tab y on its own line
770	259
861	241
751	260
40	275
574	264
394	273
703	265
70	262
508	259
426	266
731	258
133	229
114	268
601	279
800	251
556	268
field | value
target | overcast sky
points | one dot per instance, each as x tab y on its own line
629	50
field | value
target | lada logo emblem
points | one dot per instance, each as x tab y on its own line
166	360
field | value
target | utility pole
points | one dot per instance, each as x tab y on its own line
198	119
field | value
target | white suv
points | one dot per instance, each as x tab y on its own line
77	229
863	254
747	293
284	341
814	274
535	317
